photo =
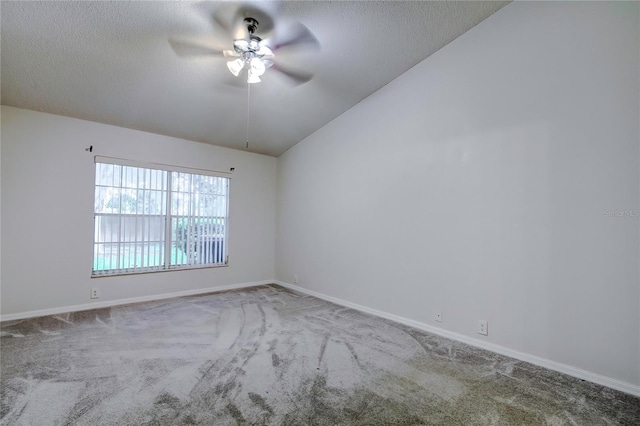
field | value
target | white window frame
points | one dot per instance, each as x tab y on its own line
168	262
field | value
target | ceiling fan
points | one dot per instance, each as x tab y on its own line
255	41
252	54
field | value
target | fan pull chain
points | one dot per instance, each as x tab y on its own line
248	100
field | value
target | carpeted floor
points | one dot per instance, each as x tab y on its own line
270	356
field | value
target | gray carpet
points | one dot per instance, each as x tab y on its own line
270	356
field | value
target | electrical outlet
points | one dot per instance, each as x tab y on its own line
94	293
439	316
295	279
483	327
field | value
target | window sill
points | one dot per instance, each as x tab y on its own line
190	268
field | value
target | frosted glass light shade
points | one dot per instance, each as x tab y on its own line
257	67
235	66
252	77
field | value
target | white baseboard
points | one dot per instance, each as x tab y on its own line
118	302
542	362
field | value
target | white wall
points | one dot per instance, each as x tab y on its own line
47	211
478	184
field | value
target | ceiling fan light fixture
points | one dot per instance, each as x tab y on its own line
257	67
253	78
252	54
235	66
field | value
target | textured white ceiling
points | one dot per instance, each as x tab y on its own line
110	62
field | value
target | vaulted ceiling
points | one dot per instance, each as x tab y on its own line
111	62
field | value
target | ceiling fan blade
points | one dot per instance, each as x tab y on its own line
185	48
221	23
293	34
222	17
295	77
230	54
